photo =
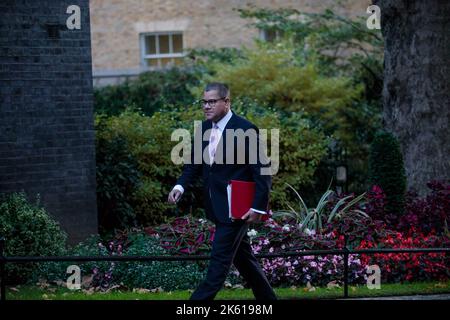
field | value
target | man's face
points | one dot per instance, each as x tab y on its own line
215	111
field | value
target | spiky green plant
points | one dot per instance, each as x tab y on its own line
312	218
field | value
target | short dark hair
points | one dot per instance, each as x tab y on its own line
221	88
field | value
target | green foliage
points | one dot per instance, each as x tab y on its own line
301	146
29	231
202	57
169	275
272	76
341	44
338	47
118	177
166	275
148	141
387	171
56	271
152	91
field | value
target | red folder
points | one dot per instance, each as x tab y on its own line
240	198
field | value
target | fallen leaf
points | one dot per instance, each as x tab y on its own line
141	290
332	284
309	287
112	288
86	281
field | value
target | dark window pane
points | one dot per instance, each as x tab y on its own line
177	43
164	44
270	35
150	46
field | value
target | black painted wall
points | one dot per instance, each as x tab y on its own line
47	141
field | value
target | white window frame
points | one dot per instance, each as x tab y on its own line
145	57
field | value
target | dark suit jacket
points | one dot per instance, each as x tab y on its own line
216	177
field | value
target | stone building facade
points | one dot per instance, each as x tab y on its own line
124	32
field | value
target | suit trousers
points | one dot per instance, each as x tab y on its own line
231	244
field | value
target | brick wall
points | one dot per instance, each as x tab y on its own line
47	141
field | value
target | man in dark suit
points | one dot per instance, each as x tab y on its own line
231	243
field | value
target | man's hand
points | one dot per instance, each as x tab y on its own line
252	216
174	196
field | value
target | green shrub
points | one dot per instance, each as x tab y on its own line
169	275
301	147
56	271
29	231
148	140
118	177
151	92
325	64
387	171
272	76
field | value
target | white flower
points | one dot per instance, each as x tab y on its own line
286	228
252	233
283	247
202	220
